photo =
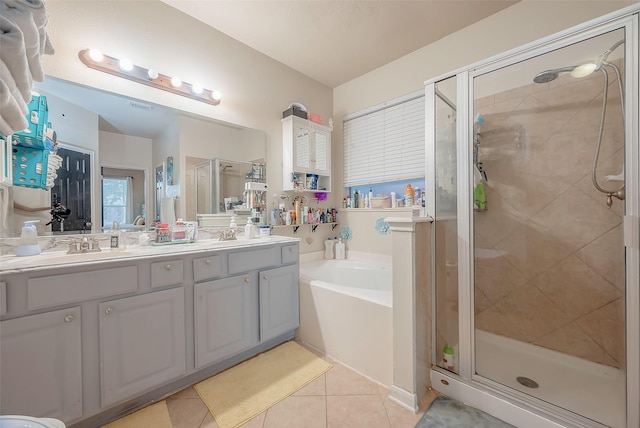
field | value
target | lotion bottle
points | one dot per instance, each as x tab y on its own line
328	248
340	250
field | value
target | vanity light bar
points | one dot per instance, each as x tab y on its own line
111	65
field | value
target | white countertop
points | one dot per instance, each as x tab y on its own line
55	259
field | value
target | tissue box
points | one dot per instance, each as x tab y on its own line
380	202
292	111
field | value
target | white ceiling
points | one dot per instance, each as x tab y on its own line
329	41
333	41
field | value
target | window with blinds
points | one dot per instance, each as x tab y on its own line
385	143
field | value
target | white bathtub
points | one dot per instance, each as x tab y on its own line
346	312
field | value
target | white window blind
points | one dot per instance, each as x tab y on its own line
385	143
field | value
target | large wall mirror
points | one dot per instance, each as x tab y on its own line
122	157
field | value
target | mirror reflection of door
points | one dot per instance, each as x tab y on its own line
122	196
72	189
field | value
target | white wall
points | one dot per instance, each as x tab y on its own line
255	88
522	23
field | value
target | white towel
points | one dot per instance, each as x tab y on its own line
12	108
167	211
22	16
14	56
40	17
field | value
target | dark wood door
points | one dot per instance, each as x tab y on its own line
73	190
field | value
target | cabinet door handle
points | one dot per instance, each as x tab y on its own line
168	267
265	276
208	261
108	311
291	250
68	318
247	280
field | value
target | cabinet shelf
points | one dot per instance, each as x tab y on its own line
314	226
306	161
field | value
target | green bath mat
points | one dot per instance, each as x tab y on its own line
449	413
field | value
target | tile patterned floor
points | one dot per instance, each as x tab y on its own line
340	398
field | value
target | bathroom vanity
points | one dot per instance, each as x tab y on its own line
88	340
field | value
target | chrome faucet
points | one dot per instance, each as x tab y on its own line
84	245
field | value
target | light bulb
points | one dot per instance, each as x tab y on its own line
126	65
152	74
176	82
584	70
197	88
216	95
96	55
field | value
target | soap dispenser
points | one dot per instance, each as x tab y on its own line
248	229
28	240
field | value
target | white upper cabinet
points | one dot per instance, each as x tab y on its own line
306	155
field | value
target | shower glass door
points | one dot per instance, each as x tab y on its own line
547	235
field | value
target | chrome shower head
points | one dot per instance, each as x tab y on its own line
549	75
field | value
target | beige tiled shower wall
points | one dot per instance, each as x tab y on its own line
549	255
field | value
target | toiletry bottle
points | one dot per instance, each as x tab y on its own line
117	241
28	245
393	199
370	197
248	229
340	250
408	196
448	355
328	248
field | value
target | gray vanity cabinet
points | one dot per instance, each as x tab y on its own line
226	318
142	343
40	365
279	306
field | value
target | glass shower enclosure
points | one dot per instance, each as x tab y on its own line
534	164
220	184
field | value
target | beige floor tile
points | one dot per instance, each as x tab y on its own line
400	417
317	387
257	422
343	381
356	411
209	422
186	412
298	411
189	392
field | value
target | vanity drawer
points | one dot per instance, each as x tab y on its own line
255	259
206	268
77	287
166	273
289	254
3	298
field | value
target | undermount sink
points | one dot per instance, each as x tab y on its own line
58	257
